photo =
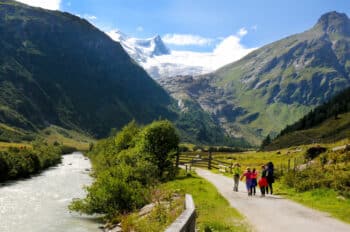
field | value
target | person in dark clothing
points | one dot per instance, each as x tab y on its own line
270	177
263	181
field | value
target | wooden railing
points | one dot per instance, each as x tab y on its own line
204	160
220	162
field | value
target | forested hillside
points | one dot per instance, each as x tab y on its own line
327	123
56	68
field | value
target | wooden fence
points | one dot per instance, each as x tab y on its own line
209	161
204	160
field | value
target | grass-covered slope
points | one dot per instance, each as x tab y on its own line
56	68
327	123
280	82
329	131
276	84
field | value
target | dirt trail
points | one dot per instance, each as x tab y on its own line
273	213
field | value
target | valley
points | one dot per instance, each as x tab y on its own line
163	116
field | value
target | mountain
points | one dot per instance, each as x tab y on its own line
155	57
140	49
329	122
56	68
277	84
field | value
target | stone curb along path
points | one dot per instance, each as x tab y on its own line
273	213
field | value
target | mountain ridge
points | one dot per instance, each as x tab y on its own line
276	84
87	81
58	69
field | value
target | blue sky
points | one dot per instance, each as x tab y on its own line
207	21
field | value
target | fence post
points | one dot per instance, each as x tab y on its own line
288	165
281	169
209	160
177	158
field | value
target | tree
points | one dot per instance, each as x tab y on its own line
160	141
126	137
266	142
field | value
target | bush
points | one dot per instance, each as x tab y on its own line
330	171
122	187
23	162
313	152
183	148
127	166
160	141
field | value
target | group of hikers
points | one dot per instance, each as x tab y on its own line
253	179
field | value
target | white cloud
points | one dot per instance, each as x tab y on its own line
228	50
181	62
47	4
242	32
90	17
186	39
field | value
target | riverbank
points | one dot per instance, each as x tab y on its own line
41	203
22	162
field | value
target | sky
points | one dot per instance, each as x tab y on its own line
202	25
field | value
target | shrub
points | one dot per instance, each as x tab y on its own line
127	166
313	152
160	141
122	187
183	148
22	162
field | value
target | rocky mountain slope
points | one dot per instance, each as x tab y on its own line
56	68
277	84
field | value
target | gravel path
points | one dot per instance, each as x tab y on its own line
273	213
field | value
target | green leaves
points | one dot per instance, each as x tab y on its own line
127	166
160	141
22	162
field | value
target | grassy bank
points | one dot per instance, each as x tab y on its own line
213	210
167	206
23	161
5	145
322	199
67	138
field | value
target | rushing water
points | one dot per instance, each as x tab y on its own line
39	204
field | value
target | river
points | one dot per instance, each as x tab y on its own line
39	204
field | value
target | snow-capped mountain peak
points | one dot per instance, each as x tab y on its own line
160	62
140	49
